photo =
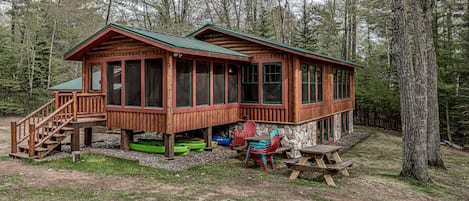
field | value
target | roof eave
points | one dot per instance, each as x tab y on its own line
209	27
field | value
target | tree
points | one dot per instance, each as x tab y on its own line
412	90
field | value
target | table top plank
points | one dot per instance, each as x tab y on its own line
257	138
320	149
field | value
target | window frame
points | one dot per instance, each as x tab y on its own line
163	83
341	83
316	70
321	130
280	82
243	83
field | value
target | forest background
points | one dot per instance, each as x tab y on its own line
35	34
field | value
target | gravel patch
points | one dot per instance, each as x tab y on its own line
108	143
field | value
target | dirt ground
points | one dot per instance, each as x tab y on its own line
362	186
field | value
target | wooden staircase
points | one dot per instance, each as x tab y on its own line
43	131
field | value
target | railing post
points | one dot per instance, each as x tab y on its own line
56	98
75	106
32	128
13	138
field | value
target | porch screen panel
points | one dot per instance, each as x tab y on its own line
218	83
114	83
272	83
183	83
154	83
249	84
133	78
232	83
203	83
95	77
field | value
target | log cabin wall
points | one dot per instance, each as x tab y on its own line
122	48
292	109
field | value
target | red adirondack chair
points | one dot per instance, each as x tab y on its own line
265	155
239	135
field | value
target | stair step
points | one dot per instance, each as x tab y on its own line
20	155
26	147
48	142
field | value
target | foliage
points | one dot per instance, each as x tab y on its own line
377	165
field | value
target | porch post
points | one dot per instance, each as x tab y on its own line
125	138
75	140
208	138
169	134
88	136
14	149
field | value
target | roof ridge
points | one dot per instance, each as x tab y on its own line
272	42
143	29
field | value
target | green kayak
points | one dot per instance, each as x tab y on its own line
178	150
192	145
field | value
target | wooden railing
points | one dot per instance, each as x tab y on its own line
88	105
20	130
40	125
45	129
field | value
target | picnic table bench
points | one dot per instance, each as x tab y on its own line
319	154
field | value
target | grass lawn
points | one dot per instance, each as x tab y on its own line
373	177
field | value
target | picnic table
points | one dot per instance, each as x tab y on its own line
320	154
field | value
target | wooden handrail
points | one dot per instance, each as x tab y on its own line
49	135
40	124
35	112
90	95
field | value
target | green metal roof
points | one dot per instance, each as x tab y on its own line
300	50
74	84
188	43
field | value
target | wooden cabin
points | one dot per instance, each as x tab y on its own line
136	79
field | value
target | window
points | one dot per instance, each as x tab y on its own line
95	80
304	83
114	83
154	83
218	83
183	83
345	123
232	83
272	83
311	80
325	130
202	79
133	78
341	83
249	83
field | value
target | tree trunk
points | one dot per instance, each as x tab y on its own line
108	12
52	40
448	129
421	102
433	126
412	92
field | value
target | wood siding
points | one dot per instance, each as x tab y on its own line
237	44
202	119
136	120
170	119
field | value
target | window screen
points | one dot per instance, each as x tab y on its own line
203	83
183	83
114	83
232	83
218	83
133	78
154	82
